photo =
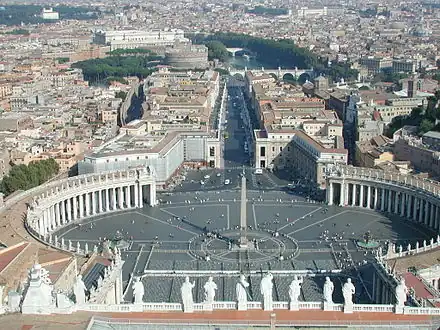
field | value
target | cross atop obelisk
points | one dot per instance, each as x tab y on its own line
243	223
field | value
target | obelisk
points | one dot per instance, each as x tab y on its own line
243	223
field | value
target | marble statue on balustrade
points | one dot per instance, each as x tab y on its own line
210	287
187	295
241	292
38	298
79	290
138	291
401	293
295	291
266	286
348	290
328	290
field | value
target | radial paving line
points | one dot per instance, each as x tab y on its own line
255	216
315	223
301	218
149	258
132	273
166	223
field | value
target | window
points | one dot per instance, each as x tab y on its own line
211	151
262	151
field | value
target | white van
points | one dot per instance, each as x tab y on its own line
259	171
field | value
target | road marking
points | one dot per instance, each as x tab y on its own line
133	272
318	222
228	224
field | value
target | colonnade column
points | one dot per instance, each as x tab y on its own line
63	212
100	208
136	195
75	208
141	197
353	195
376	198
94	206
87	195
114	203
415	199
382	199
53	224
107	200
120	197
128	198
57	215
408	206
389	200
426	215
153	194
81	206
402	204
362	197
69	209
420	210
396	202
341	197
369	197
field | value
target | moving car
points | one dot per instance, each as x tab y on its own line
259	171
218	175
206	176
227	181
202	182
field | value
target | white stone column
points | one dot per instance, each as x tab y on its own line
408	206
128	196
63	212
390	194
75	208
114	203
53	221
402	204
69	209
81	206
87	196
94	204
431	215
376	198
107	199
426	215
153	194
353	195
420	210
121	197
415	199
341	198
136	195
45	222
362	196
382	199
436	218
41	226
396	202
57	215
141	197
369	197
100	207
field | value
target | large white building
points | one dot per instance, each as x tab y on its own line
134	148
128	39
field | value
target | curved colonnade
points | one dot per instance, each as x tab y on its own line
407	196
63	202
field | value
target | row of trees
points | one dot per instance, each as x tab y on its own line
424	118
260	10
98	70
30	14
23	177
281	52
217	50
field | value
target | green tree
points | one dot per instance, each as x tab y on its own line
217	50
425	126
